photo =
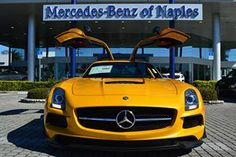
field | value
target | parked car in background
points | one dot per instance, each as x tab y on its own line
12	75
226	87
178	76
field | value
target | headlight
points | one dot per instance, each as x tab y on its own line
58	99
191	100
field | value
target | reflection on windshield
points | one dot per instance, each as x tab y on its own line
119	70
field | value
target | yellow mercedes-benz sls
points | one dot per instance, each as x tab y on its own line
124	105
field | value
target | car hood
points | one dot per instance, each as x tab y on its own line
119	86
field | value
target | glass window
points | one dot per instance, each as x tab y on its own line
18	54
230	55
157	52
4	55
88	51
201	72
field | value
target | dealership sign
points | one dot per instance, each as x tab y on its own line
122	12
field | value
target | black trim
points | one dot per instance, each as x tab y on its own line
109	145
193	121
56	120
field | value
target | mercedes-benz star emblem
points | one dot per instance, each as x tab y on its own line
125	119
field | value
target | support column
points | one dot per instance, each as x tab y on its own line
73	51
172	50
200	53
216	47
31	47
40	69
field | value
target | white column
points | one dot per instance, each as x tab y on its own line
216	47
31	47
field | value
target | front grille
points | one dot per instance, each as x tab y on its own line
146	118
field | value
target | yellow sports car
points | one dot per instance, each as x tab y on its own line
125	105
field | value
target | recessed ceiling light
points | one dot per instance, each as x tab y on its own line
95	21
50	28
99	27
123	28
149	22
200	22
12	27
122	21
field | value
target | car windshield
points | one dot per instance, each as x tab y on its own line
122	70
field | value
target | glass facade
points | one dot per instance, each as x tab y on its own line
230	54
200	72
4	56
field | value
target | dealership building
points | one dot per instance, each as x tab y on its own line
28	29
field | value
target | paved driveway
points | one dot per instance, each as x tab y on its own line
21	132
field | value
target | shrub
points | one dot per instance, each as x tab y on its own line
207	89
204	84
23	85
38	93
208	94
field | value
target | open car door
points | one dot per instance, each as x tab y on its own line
167	38
76	38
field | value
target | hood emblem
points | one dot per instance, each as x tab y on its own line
125	119
125	98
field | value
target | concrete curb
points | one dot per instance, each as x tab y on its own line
22	92
4	93
26	100
212	102
13	92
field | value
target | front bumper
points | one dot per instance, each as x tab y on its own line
175	136
124	146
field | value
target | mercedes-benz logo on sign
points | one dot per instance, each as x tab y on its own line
125	119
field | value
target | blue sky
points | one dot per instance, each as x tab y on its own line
3	48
